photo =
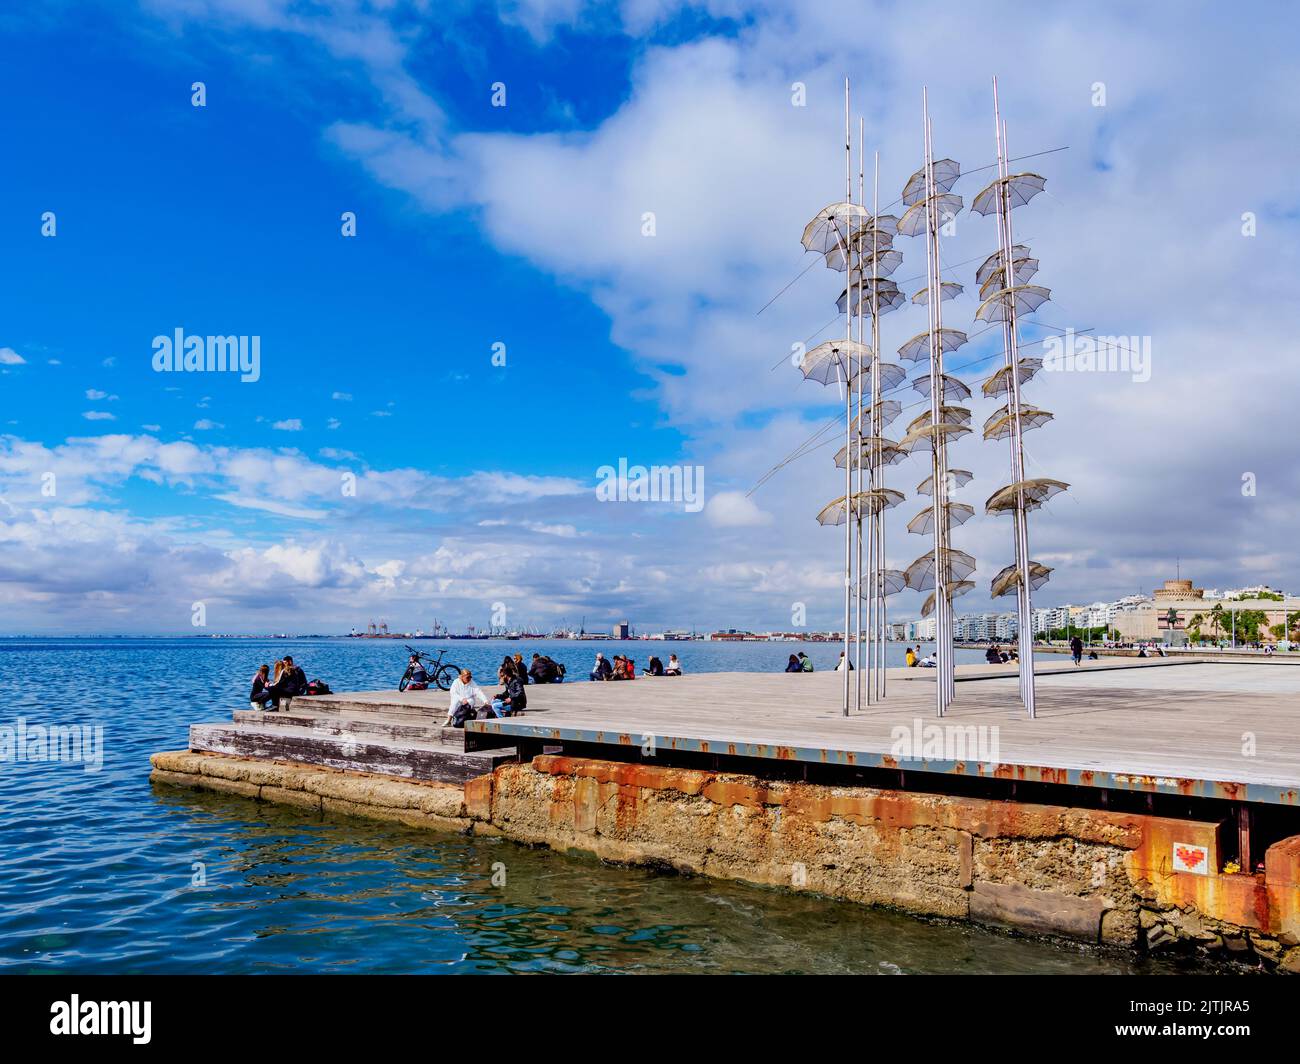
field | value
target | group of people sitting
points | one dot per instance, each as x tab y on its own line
995	655
625	668
274	692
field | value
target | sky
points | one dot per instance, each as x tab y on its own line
486	251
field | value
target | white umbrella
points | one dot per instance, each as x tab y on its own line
918	347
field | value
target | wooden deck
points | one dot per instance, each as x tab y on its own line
1162	726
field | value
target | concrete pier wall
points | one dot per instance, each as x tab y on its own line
1095	876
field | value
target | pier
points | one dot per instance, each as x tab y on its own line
1153	803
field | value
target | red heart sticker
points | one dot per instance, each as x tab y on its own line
1190	856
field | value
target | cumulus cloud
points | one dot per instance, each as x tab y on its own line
731	509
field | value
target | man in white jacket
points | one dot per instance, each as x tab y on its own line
465	692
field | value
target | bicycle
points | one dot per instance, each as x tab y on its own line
441	674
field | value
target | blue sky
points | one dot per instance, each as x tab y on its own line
523	225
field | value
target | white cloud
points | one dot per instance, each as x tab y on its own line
204	424
731	509
10	357
342	397
292	424
99	415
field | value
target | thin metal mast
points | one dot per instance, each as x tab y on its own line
857	634
878	431
848	418
877	465
936	388
1024	607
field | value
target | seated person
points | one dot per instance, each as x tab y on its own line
602	670
655	667
279	688
260	697
617	672
794	664
674	666
295	680
419	677
514	699
993	655
467	698
545	670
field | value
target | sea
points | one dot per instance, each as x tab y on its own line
102	872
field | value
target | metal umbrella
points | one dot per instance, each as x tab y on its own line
892	581
959	588
952	415
947	290
958	514
1022	299
921	573
1002	422
918	347
1035	492
886	452
944	173
835	361
1020	189
877	291
833	226
999	383
1008	580
946	205
888	409
1021	272
993	263
864	502
952	387
925	438
958	478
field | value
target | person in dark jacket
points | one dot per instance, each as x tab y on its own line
654	667
520	669
278	688
794	664
514	699
993	655
259	696
295	680
1076	649
601	669
543	670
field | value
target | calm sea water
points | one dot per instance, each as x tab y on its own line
100	872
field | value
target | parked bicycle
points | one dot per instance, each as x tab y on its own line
441	674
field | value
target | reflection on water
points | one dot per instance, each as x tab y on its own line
101	872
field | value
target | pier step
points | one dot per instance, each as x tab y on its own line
357	723
444	762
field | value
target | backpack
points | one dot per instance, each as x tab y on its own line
317	687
